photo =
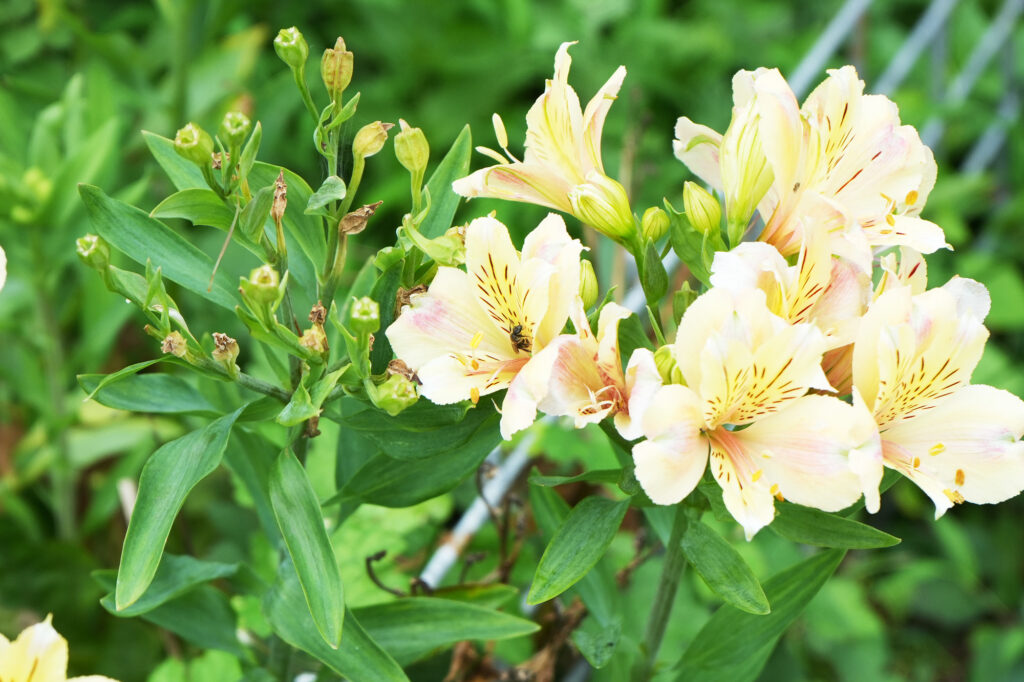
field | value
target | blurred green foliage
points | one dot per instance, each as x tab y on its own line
79	80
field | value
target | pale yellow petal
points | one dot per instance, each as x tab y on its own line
554	125
670	463
698	147
642	383
593	120
966	447
532	183
745	493
550	243
38	654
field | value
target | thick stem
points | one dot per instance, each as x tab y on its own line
300	81
668	584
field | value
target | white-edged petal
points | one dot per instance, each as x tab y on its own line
670	463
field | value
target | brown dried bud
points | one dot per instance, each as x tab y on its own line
355	222
404	296
318	314
399	367
174	343
225	348
280	198
219	159
315	339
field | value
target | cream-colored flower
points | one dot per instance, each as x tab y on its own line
580	375
38	654
562	167
912	364
746	367
473	331
3	267
843	161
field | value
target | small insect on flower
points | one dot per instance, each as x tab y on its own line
520	342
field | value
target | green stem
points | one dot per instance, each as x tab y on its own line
671	575
358	164
243	379
300	81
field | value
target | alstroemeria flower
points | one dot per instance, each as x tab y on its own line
912	365
580	375
3	268
473	331
744	366
842	161
38	654
562	167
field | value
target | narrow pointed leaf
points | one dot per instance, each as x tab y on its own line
443	200
183	173
815	527
723	569
154	393
579	543
198	206
302	526
735	645
171	472
176	575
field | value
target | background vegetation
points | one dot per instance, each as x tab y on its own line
79	81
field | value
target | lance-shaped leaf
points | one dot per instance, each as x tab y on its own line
815	527
171	472
176	575
154	393
578	544
723	569
735	645
332	189
359	658
302	527
443	200
412	628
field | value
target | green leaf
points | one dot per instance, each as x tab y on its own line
384	291
443	200
596	476
358	658
392	482
198	206
424	430
171	472
814	527
653	275
734	645
723	569
182	173
332	189
154	393
142	238
176	576
492	595
302	527
411	628
251	457
597	647
306	231
579	543
103	381
254	215
251	149
83	166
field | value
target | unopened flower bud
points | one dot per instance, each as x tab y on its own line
601	202
336	69
194	144
395	394
702	209
234	128
94	251
292	48
411	148
665	361
588	284
364	315
262	286
315	339
654	224
174	343
371	138
355	222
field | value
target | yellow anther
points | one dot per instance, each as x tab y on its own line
774	489
474	395
954	496
779	497
499	131
937	449
756	477
474	364
917	462
911	198
889	219
959	479
477	338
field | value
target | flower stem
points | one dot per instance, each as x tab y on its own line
668	584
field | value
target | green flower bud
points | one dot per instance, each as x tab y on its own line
336	69
601	202
364	315
588	284
263	287
94	251
654	224
292	48
411	148
702	209
665	361
371	138
395	394
234	128
194	144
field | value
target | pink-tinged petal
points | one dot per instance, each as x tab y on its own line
445	320
38	654
554	124
744	493
820	452
576	385
965	448
838	367
642	383
532	183
670	463
608	339
698	147
550	244
452	378
526	390
839	309
593	120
